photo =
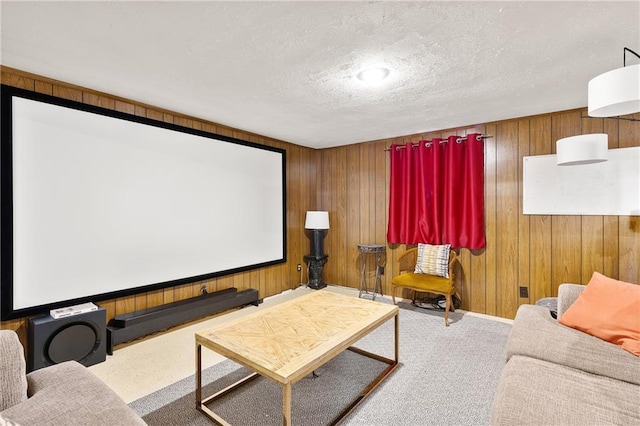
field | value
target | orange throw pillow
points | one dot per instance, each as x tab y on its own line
608	309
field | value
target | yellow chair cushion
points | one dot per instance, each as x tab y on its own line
424	282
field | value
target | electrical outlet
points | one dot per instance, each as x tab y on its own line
299	267
524	292
203	289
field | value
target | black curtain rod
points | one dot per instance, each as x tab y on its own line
444	140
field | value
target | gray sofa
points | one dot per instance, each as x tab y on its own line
556	375
63	394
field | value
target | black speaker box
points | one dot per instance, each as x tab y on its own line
79	337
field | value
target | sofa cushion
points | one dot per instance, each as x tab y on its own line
536	334
608	309
13	379
423	282
433	260
536	392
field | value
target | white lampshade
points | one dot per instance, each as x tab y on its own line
317	220
582	149
615	92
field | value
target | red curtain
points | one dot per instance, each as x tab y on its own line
437	192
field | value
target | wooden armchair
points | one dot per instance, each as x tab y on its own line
423	282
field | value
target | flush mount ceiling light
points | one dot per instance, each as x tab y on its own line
582	149
616	92
373	75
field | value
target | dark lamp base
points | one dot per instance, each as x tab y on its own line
316	263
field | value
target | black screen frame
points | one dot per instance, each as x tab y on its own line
7	93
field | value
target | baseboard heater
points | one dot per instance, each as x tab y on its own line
126	327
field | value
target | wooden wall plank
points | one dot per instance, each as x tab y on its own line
540	226
592	233
524	242
140	301
155	298
125	305
126	107
491	222
566	230
327	196
380	184
43	87
474	262
153	114
367	199
14	78
629	226
611	224
353	216
507	217
298	211
98	100
66	92
343	247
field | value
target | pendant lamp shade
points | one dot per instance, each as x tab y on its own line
582	149
615	92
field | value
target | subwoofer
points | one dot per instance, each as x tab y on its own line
79	337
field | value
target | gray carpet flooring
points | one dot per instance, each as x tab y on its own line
446	376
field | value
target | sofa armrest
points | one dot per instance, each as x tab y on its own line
13	379
536	334
70	394
567	295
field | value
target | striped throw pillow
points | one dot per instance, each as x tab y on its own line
433	260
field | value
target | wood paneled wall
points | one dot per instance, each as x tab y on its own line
301	170
351	182
536	252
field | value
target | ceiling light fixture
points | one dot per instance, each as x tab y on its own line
616	92
610	94
582	149
372	75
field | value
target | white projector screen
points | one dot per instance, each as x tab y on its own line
103	204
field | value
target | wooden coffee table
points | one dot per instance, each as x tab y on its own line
286	342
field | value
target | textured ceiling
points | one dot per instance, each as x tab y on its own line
287	69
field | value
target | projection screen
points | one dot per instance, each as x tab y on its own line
98	204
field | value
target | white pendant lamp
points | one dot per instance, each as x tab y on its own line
582	149
616	92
